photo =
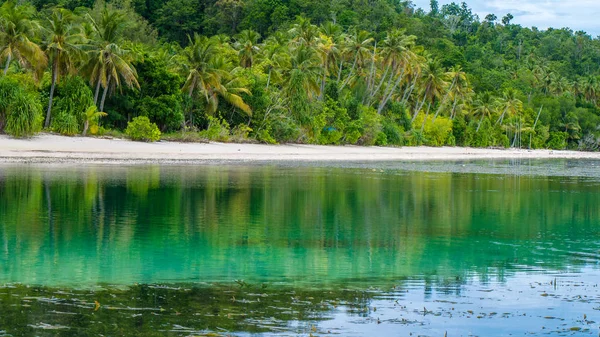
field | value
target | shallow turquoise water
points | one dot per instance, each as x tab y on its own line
483	248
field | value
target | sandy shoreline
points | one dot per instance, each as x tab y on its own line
46	148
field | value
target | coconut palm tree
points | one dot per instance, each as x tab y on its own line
109	65
433	82
63	48
509	104
302	80
328	53
247	46
92	115
397	58
209	76
357	46
17	29
484	106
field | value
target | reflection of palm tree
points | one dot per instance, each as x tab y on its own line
62	48
16	31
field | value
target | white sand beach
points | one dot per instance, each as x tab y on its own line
47	148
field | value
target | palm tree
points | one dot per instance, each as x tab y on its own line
302	78
509	104
92	115
275	56
484	105
433	84
398	59
17	28
208	75
109	65
328	53
247	46
358	46
458	89
63	47
304	33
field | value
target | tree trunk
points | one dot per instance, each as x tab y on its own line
419	107
269	78
425	119
390	93
52	87
96	94
350	74
376	89
104	93
86	125
481	120
8	59
339	78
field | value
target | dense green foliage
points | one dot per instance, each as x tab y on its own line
140	128
340	72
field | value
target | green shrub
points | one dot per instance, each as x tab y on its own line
557	140
370	125
218	130
436	132
73	98
66	124
23	115
240	133
393	132
141	129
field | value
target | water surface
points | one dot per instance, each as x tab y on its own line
483	248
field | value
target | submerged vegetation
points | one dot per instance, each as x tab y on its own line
343	72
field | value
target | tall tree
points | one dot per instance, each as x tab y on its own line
109	66
17	29
63	48
209	75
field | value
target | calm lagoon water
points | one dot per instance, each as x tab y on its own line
488	248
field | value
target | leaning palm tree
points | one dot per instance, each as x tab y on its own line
63	48
17	29
509	104
208	75
485	106
358	46
109	66
433	84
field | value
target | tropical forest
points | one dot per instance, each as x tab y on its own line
376	72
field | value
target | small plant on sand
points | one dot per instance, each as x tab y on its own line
141	129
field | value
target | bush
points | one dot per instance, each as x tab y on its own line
73	97
436	132
23	115
557	140
141	129
218	130
65	124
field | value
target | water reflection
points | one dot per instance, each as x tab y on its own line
93	225
163	250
